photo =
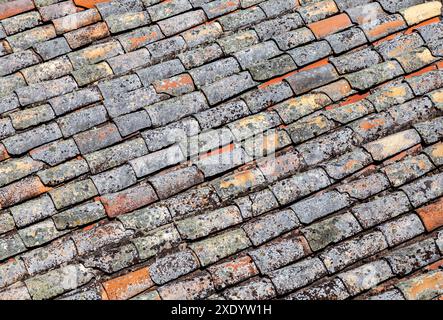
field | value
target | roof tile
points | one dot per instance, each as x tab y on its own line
207	149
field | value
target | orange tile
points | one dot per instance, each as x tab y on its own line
88	3
386	28
432	215
330	25
129	285
354	98
16	7
421	71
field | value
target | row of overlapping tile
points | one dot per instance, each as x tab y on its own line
191	149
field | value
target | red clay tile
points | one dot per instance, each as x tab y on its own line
330	25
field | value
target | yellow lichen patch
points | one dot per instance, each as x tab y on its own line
422	164
138	42
88	3
174	83
421	12
308	102
416	59
330	25
354	108
104	295
432	215
207	29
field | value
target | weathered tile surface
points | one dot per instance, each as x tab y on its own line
212	149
